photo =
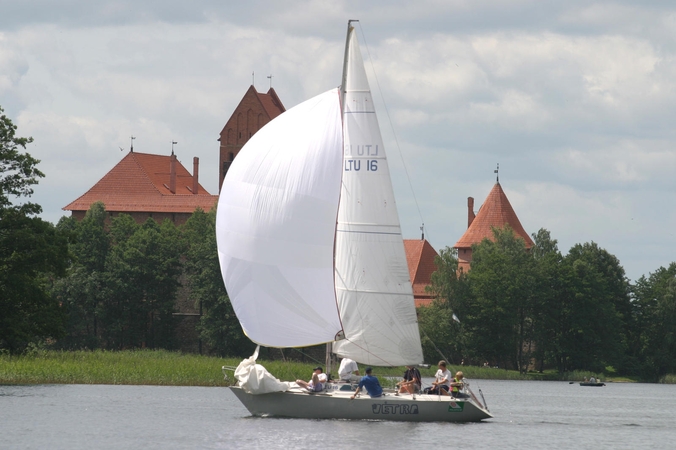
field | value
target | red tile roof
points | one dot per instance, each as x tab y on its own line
497	212
140	183
420	258
271	103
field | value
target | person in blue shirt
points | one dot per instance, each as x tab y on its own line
370	383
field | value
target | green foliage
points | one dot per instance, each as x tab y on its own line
219	326
83	290
655	342
161	367
536	308
595	334
502	284
121	287
142	272
18	171
441	335
668	379
32	251
158	367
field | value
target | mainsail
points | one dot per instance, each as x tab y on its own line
309	190
372	279
276	226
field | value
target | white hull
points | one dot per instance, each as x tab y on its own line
338	405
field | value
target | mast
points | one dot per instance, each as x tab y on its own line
343	81
343	84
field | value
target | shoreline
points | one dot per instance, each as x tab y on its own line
165	368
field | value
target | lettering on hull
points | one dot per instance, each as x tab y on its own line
388	408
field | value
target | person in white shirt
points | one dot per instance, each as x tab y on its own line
442	382
316	384
348	370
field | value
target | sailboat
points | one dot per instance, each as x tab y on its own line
311	252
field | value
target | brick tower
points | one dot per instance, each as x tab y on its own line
254	110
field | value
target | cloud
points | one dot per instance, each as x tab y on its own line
575	100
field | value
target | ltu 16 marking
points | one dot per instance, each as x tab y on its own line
371	165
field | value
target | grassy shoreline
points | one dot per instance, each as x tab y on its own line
164	368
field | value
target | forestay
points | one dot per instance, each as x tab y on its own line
375	297
276	226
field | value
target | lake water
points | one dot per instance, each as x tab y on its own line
528	415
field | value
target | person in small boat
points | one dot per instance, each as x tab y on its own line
370	383
442	382
592	380
348	370
316	384
457	384
412	381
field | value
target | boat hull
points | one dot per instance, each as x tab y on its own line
331	405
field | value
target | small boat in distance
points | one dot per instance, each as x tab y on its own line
592	382
311	252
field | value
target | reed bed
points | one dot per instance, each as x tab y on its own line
103	367
668	379
161	367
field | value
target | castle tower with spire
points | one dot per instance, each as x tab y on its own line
497	212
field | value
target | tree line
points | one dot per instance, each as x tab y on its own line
123	280
111	283
532	309
101	283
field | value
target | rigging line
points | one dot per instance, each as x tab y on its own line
307	356
436	348
387	112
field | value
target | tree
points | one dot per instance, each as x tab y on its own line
598	310
142	275
219	326
502	286
18	171
31	250
655	336
441	334
83	290
549	301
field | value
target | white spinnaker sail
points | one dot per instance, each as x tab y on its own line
374	292
276	226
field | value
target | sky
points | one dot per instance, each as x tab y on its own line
575	100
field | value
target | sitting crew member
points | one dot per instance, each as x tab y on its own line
371	384
442	383
316	384
456	385
348	370
412	381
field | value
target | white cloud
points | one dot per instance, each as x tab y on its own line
576	101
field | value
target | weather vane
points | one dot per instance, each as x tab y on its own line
497	176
